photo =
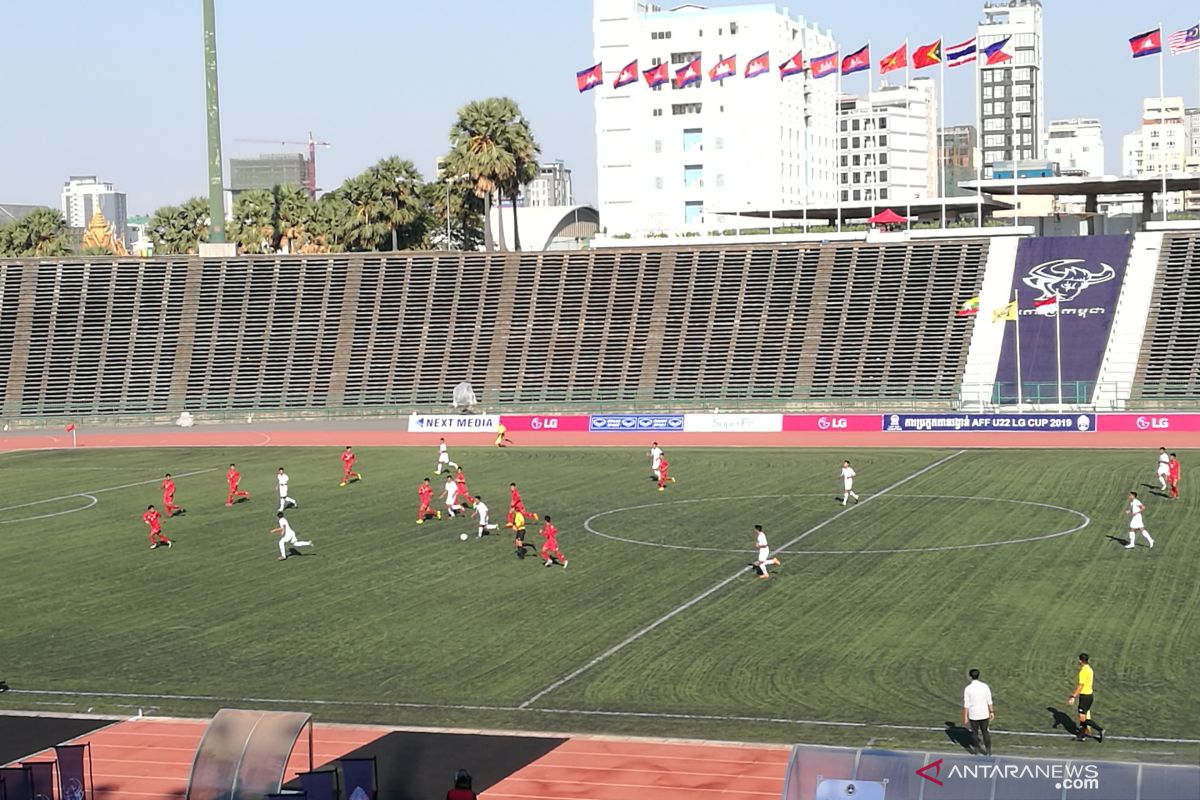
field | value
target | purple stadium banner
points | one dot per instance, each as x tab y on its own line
41	773
1085	274
16	783
320	785
72	785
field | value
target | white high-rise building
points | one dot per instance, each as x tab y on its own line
1191	121
552	186
1161	145
889	149
81	194
1077	146
667	158
1011	95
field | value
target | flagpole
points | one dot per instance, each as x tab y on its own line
1020	389
871	112
837	134
978	157
941	137
907	114
1012	115
1162	54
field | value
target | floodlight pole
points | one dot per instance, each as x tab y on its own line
216	183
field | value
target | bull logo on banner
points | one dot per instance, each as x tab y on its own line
1065	279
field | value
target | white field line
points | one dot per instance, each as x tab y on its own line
275	701
91	492
718	586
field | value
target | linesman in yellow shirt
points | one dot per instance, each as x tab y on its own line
1084	694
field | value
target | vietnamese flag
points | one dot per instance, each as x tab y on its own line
857	61
590	78
725	68
627	75
894	60
656	75
758	65
688	74
823	65
795	65
928	56
1146	44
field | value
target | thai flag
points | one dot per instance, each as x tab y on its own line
688	74
657	75
1146	44
725	68
590	78
757	66
959	54
824	65
627	75
995	52
795	65
1046	306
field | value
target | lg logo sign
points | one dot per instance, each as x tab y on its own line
835	423
1153	423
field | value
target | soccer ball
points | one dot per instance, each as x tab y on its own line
463	536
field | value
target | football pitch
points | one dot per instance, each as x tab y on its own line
1010	561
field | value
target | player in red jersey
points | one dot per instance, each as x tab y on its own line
348	459
516	505
550	550
152	518
463	495
426	510
168	490
1173	476
664	467
234	478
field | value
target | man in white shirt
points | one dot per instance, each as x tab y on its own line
655	459
1136	507
484	525
978	712
287	536
284	500
848	474
444	458
764	554
1164	468
450	491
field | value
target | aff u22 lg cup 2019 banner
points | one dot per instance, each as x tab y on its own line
1085	274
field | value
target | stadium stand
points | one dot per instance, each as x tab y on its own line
1168	367
764	325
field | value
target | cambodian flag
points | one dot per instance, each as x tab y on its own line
627	75
795	65
1146	44
725	68
995	53
857	61
824	65
688	74
757	66
590	78
657	75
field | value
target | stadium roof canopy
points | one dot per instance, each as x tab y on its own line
925	209
1088	185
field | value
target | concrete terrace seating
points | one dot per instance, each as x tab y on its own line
1169	366
766	324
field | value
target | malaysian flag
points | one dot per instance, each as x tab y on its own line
1185	40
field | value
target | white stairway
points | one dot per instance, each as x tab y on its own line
987	338
1115	381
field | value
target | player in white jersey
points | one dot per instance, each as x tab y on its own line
287	536
284	500
444	458
1136	524
848	474
450	492
764	554
485	524
1163	470
655	459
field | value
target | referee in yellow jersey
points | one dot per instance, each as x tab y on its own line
1084	694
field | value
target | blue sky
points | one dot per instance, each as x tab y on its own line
116	88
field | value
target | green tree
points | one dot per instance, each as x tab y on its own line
478	148
363	228
293	212
41	234
253	226
177	230
465	215
518	140
327	227
399	189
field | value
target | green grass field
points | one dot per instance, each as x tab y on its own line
871	619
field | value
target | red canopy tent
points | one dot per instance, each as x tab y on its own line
887	217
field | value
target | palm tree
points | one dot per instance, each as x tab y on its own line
328	224
363	229
477	148
253	226
42	233
180	229
398	184
293	211
518	140
450	199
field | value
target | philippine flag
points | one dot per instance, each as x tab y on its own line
1046	306
857	61
995	52
825	65
1146	44
590	78
725	68
657	75
757	66
627	75
688	74
795	65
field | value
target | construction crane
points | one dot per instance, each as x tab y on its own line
310	178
